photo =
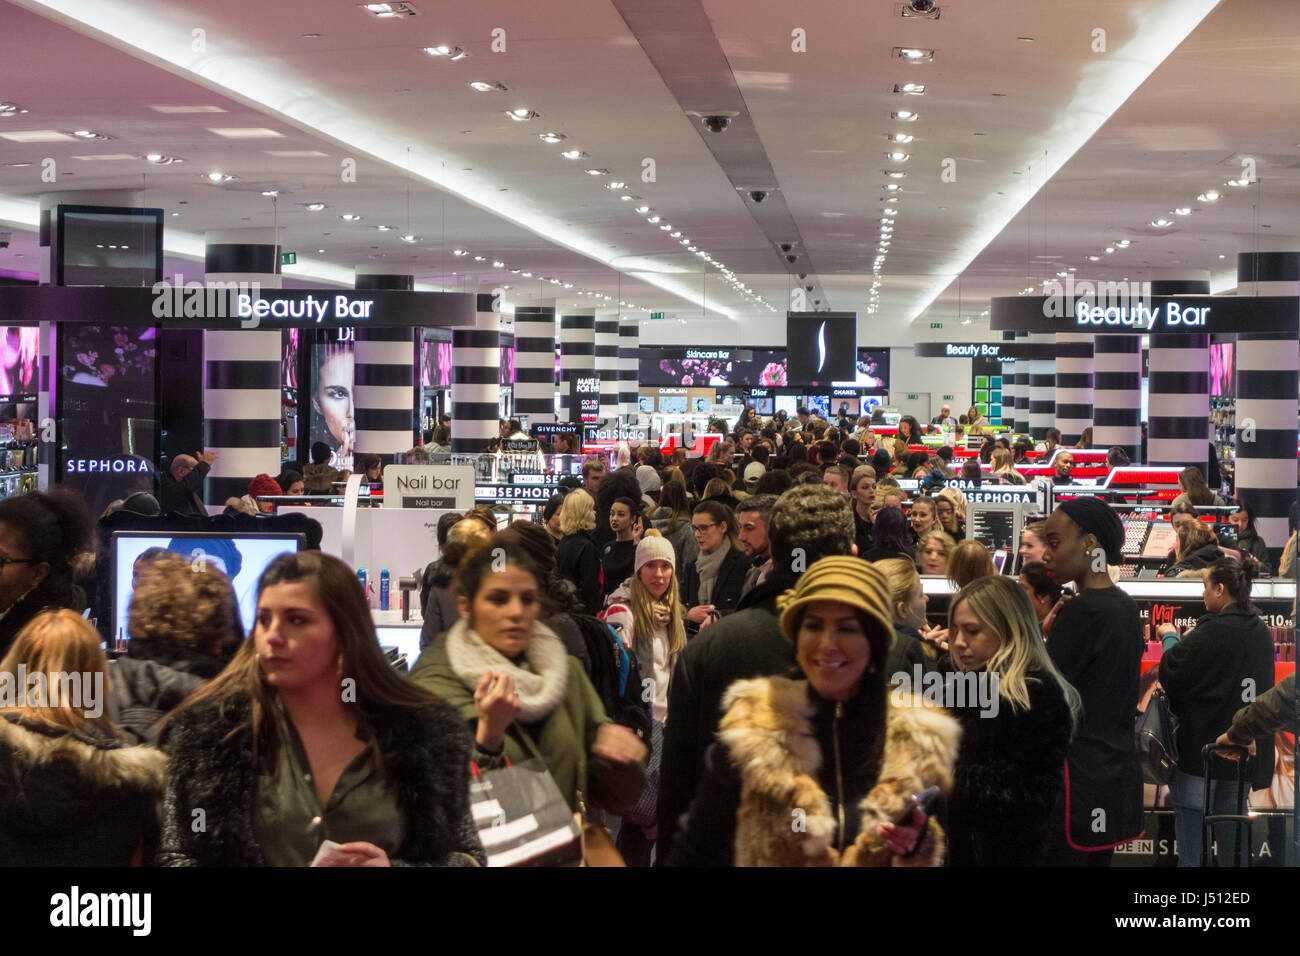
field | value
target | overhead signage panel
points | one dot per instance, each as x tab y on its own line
1139	313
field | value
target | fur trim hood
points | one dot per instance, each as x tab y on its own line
50	779
768	731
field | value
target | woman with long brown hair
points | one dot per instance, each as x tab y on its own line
310	736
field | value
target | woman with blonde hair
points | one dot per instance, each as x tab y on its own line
907	600
934	551
1004	465
921	516
950	508
70	793
1015	734
969	561
576	559
184	627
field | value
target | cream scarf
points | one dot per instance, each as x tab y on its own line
708	566
539	682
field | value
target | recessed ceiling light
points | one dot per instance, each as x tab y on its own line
894	173
389	11
1238	183
160	159
677	234
527	275
914	54
89	134
479	259
311	36
497	264
460	252
270	193
350	217
616	184
892	187
899	138
1210	195
905	116
643	209
217	177
38	136
552	137
1094	258
573	154
913	89
482	86
245	132
442	49
11	109
315	206
1162	223
1108	250
666	226
321	251
1183	211
514	272
626	198
598	172
1123	243
522	115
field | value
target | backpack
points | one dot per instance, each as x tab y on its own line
1157	744
615	675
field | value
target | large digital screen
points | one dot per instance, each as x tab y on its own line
110	246
705	367
333	412
822	347
20	352
435	364
1221	369
873	369
241	557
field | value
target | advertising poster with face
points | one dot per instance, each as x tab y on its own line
333	411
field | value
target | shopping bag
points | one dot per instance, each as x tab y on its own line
523	819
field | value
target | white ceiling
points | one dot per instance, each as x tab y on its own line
1070	160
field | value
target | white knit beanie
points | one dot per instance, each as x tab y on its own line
654	547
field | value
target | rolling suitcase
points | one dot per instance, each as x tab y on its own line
1239	820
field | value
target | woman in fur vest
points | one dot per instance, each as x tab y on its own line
815	770
310	735
1015	734
70	793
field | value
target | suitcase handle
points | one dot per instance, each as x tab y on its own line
1240	821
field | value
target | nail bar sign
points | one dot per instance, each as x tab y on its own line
429	486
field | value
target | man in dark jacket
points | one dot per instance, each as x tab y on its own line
182	485
809	522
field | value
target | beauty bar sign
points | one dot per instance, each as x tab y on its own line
1142	313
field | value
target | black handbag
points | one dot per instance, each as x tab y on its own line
1155	733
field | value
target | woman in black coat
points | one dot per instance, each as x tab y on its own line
1197	549
1224	663
712	583
274	761
1015	731
71	793
576	559
1248	540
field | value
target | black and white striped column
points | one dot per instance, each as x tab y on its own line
241	381
1117	393
476	380
629	358
1178	387
1042	386
1010	386
535	363
577	356
1022	389
1267	383
1074	385
384	397
607	335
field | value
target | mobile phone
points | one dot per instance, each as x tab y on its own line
915	801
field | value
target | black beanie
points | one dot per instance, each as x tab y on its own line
1095	517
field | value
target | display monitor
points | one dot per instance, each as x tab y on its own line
850	406
673	404
1221	369
821	347
819	405
764	406
788	404
109	246
243	556
996	525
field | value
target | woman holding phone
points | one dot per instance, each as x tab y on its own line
825	746
309	740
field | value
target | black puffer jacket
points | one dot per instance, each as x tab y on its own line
1202	557
151	680
425	753
67	800
1008	777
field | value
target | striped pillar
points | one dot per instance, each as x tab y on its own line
1117	393
577	355
241	377
535	363
1022	389
1178	387
475	380
384	391
629	357
1074	385
1042	386
607	336
1267	383
1010	386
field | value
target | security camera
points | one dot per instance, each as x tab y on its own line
803	275
758	195
808	288
791	258
817	301
715	123
787	246
921	8
5	239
